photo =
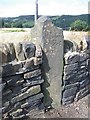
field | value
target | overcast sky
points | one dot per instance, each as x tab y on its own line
13	8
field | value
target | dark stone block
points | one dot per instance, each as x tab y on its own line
84	83
7	69
72	85
11	81
72	58
32	100
31	91
71	98
71	67
82	93
32	74
32	83
70	92
68	102
29	49
25	70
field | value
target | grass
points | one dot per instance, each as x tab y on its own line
14	30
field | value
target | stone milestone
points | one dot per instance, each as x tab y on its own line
51	40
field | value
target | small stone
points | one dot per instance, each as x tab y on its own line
70	92
37	61
12	51
32	74
16	113
84	83
19	51
38	52
32	83
28	63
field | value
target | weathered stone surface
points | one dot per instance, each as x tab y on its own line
51	40
68	102
12	51
71	98
38	52
72	57
16	113
32	99
83	92
88	65
69	92
21	117
32	83
35	97
71	67
7	92
83	57
29	49
17	66
6	104
28	63
70	77
24	70
77	84
82	76
19	51
84	83
7	69
5	53
37	61
32	105
3	86
31	91
11	80
32	74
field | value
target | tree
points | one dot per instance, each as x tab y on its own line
79	25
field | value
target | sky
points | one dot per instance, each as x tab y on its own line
14	8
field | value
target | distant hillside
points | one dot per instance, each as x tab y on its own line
27	21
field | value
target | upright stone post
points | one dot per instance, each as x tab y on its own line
36	12
51	40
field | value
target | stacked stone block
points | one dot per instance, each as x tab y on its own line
76	78
21	80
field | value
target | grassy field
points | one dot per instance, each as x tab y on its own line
16	35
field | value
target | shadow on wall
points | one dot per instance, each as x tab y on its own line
47	99
70	46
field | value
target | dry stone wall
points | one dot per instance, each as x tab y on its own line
76	79
21	80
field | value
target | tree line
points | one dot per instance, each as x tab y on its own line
66	22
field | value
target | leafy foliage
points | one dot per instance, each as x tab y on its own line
64	21
79	25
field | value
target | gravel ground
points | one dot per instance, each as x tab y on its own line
79	109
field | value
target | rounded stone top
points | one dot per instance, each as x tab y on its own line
43	19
